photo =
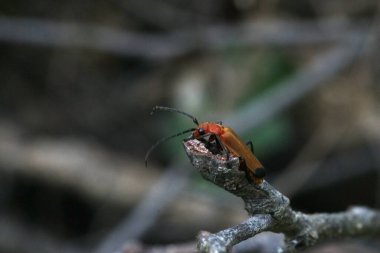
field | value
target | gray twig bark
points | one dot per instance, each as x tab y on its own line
270	210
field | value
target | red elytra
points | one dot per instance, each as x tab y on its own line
223	136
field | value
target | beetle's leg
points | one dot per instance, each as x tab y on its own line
221	145
203	139
218	142
250	144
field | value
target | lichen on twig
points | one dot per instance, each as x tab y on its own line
270	210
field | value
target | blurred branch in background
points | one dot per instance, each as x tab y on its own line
176	43
316	149
106	178
149	209
83	167
322	69
329	171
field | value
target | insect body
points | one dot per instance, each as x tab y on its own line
228	139
220	138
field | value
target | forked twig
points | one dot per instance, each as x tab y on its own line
270	210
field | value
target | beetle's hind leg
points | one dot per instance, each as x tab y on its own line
250	144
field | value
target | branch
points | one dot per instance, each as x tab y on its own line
270	210
45	32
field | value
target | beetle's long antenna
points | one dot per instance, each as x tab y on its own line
163	140
175	110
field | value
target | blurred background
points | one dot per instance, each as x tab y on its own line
78	80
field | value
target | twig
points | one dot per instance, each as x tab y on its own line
270	210
265	242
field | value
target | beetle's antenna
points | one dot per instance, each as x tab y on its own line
163	140
175	110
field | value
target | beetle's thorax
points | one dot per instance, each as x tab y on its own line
209	127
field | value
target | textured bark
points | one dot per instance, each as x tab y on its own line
270	210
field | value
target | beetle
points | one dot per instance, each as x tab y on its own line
219	138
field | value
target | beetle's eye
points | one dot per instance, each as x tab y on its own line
201	131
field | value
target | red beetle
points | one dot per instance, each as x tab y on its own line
220	138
